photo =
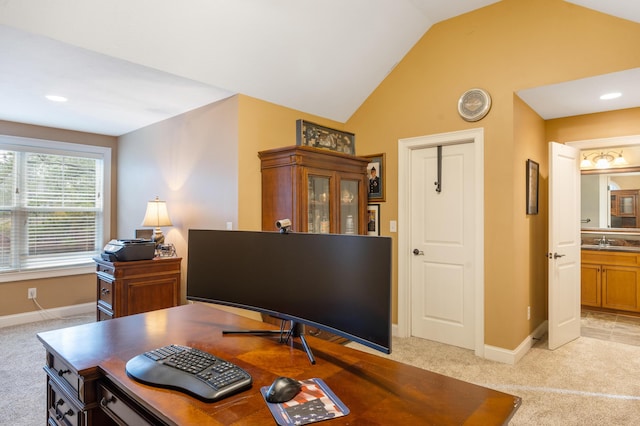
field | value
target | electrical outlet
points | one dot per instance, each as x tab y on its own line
528	312
32	293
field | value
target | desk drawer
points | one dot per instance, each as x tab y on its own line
120	409
60	411
62	371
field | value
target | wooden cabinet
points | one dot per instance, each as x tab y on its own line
611	280
127	288
321	191
625	208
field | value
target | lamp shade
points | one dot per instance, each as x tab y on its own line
157	214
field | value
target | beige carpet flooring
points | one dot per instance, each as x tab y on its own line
587	382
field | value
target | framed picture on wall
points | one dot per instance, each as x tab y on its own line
375	172
533	173
373	219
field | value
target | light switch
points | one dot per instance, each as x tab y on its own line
393	226
229	226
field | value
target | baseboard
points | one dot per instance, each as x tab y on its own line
34	316
506	356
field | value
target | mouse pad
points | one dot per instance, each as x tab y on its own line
315	403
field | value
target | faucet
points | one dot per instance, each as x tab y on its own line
604	242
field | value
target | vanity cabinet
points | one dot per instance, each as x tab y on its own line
611	280
320	191
127	288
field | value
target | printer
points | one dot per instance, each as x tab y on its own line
127	250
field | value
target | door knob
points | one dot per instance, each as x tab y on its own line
556	255
418	252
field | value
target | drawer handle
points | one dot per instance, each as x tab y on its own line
104	401
105	291
60	402
63	372
69	412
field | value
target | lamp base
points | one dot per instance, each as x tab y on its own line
158	237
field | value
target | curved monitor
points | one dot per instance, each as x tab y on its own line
337	283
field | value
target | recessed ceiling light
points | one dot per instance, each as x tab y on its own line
56	98
611	95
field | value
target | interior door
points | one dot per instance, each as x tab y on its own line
564	244
443	242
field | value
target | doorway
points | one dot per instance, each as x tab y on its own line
407	170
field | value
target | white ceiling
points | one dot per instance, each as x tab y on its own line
125	64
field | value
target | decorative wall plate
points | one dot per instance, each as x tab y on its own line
474	104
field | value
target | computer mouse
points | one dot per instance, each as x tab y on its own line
283	389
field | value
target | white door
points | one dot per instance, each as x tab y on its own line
564	244
443	242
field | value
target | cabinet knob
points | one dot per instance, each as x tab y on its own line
104	401
105	291
69	412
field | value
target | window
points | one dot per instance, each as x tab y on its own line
52	203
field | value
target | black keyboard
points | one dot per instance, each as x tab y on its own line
189	370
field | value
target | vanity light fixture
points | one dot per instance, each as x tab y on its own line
602	160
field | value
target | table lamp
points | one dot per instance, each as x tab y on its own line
157	216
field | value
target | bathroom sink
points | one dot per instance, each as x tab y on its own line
610	248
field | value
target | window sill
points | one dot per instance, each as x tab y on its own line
47	273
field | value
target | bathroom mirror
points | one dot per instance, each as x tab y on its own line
610	199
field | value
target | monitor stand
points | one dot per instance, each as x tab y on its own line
285	335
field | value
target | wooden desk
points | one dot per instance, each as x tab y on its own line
86	368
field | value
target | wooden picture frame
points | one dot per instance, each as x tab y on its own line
317	136
377	182
533	179
373	219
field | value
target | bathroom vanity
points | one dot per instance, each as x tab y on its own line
610	273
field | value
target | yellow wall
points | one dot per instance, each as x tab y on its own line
62	291
263	125
594	126
505	47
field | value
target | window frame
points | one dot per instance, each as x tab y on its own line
16	143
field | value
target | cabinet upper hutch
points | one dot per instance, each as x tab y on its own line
321	191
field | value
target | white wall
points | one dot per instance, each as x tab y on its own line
191	162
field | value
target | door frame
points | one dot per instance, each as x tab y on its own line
605	142
405	146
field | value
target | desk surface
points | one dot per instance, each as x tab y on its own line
375	389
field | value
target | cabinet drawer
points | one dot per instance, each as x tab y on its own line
104	313
105	292
105	269
60	411
602	257
67	376
120	408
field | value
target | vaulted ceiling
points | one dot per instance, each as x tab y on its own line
125	64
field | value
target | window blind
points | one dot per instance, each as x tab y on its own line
51	209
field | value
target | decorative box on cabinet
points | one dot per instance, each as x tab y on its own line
321	191
127	288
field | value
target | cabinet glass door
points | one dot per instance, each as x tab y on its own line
627	206
349	206
318	202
